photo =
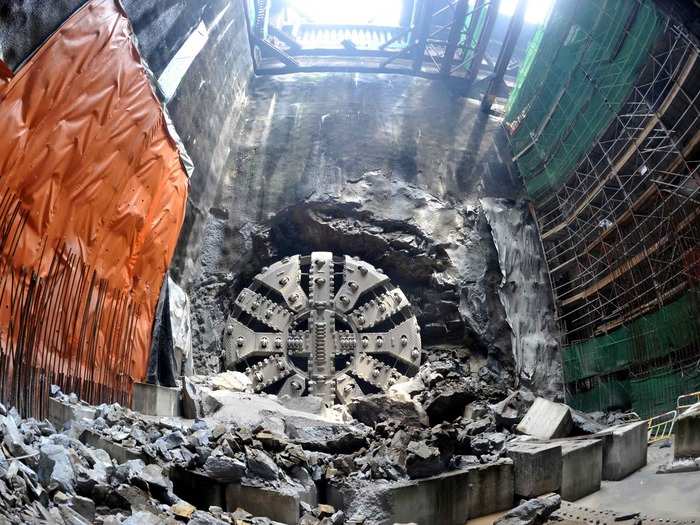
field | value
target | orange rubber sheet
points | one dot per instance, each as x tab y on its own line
92	197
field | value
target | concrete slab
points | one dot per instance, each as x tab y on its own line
546	420
117	452
582	468
276	504
155	400
439	499
61	413
491	488
687	440
536	468
624	449
668	496
197	488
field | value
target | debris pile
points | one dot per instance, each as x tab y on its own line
51	477
112	465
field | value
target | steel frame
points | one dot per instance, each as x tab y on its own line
427	48
621	237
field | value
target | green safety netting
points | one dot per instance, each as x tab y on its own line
604	395
659	392
649	396
577	74
669	329
666	332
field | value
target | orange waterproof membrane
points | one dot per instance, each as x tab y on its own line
92	198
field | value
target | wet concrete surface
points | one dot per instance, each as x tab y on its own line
668	496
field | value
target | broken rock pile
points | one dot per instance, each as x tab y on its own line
53	478
445	418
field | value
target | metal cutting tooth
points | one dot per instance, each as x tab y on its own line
377	310
264	310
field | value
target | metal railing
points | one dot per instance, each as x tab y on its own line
661	426
685	401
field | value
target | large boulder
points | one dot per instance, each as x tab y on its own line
336	438
448	399
378	408
531	512
55	468
423	460
225	469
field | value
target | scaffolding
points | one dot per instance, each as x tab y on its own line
615	184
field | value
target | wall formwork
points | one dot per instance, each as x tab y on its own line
604	126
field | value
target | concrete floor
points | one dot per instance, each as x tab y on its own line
668	496
485	520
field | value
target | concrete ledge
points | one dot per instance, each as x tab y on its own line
61	413
624	450
546	420
490	488
197	489
582	468
687	440
261	501
536	467
155	400
117	452
439	499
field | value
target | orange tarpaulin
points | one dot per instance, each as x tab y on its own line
92	198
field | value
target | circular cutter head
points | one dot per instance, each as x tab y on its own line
335	327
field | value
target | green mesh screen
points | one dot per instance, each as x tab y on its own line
576	76
670	331
665	331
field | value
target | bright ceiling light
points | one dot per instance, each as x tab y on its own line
535	13
355	12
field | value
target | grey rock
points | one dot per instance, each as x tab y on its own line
532	512
225	469
476	410
511	410
202	518
83	506
143	518
128	497
423	460
13	439
158	482
448	401
126	472
463	461
72	516
378	408
680	465
211	404
478	427
326	437
585	424
260	464
55	468
191	400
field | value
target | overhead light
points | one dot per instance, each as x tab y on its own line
355	12
536	12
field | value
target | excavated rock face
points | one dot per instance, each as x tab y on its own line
438	251
386	168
